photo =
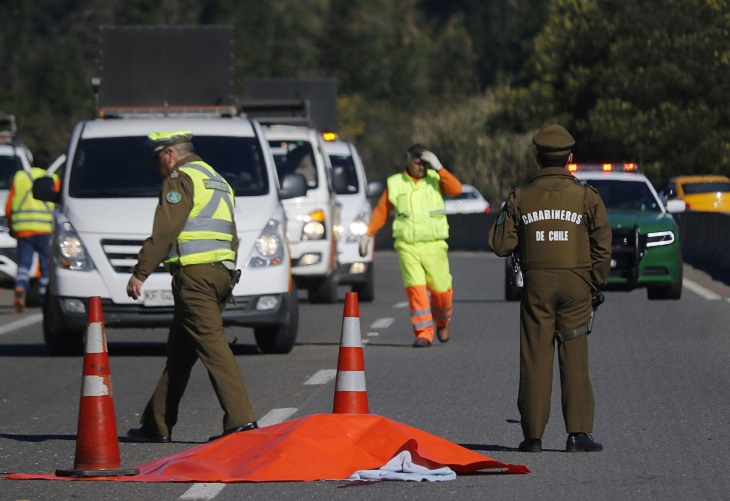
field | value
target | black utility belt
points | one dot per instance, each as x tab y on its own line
174	268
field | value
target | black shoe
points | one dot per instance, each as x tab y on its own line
421	342
582	442
246	427
143	435
530	445
443	333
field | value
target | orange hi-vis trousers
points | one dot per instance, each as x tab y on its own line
425	268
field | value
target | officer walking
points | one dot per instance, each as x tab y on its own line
420	230
31	223
560	230
194	235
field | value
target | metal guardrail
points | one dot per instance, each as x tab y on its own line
704	236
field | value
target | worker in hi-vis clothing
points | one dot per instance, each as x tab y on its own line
420	231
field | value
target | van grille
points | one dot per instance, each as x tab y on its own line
122	254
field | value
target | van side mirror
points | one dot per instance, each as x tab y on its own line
293	186
676	206
44	189
376	188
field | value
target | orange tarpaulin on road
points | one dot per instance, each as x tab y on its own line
316	447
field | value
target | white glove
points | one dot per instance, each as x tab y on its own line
364	242
431	160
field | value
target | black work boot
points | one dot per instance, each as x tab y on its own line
582	442
530	445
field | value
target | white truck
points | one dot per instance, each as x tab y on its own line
110	189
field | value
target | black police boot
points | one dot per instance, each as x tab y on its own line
530	445
246	427
582	442
144	435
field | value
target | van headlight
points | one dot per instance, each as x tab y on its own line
268	250
70	253
358	227
314	226
659	238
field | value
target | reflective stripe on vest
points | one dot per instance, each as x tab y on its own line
208	232
553	228
420	209
29	214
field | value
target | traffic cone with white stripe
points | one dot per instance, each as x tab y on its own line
351	397
97	446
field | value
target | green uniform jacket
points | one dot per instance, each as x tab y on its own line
505	234
170	219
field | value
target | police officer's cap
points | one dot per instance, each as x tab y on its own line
553	140
158	141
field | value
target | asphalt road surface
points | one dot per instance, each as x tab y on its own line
660	374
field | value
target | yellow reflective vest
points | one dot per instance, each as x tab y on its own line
208	233
420	209
27	213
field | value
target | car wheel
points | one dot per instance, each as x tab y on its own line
60	341
366	291
280	339
324	291
511	293
673	291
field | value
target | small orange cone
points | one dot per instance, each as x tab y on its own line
97	446
351	397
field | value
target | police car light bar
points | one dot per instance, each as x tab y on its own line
606	167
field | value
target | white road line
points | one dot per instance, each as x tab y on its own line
19	324
202	491
323	376
698	289
364	341
373	333
402	304
276	416
382	323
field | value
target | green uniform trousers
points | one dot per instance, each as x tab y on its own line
554	300
200	293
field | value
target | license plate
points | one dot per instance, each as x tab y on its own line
158	298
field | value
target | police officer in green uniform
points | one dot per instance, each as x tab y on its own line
194	236
560	230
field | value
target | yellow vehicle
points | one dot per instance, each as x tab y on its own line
700	193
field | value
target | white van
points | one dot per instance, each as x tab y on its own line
351	188
313	219
108	196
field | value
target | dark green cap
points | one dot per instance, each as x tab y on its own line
553	140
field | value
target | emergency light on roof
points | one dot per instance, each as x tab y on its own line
329	136
606	167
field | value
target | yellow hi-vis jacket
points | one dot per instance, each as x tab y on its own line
208	233
27	215
420	209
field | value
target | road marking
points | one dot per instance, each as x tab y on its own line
382	323
202	491
698	289
364	341
402	304
276	416
323	376
19	324
373	333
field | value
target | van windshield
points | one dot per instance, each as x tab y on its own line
295	157
9	164
120	167
343	165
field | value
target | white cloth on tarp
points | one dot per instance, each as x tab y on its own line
402	467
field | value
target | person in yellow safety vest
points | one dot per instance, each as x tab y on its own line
31	223
420	231
194	236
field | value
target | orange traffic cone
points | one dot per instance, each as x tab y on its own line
351	397
97	446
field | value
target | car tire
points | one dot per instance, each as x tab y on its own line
280	339
325	291
60	341
672	292
366	291
511	293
